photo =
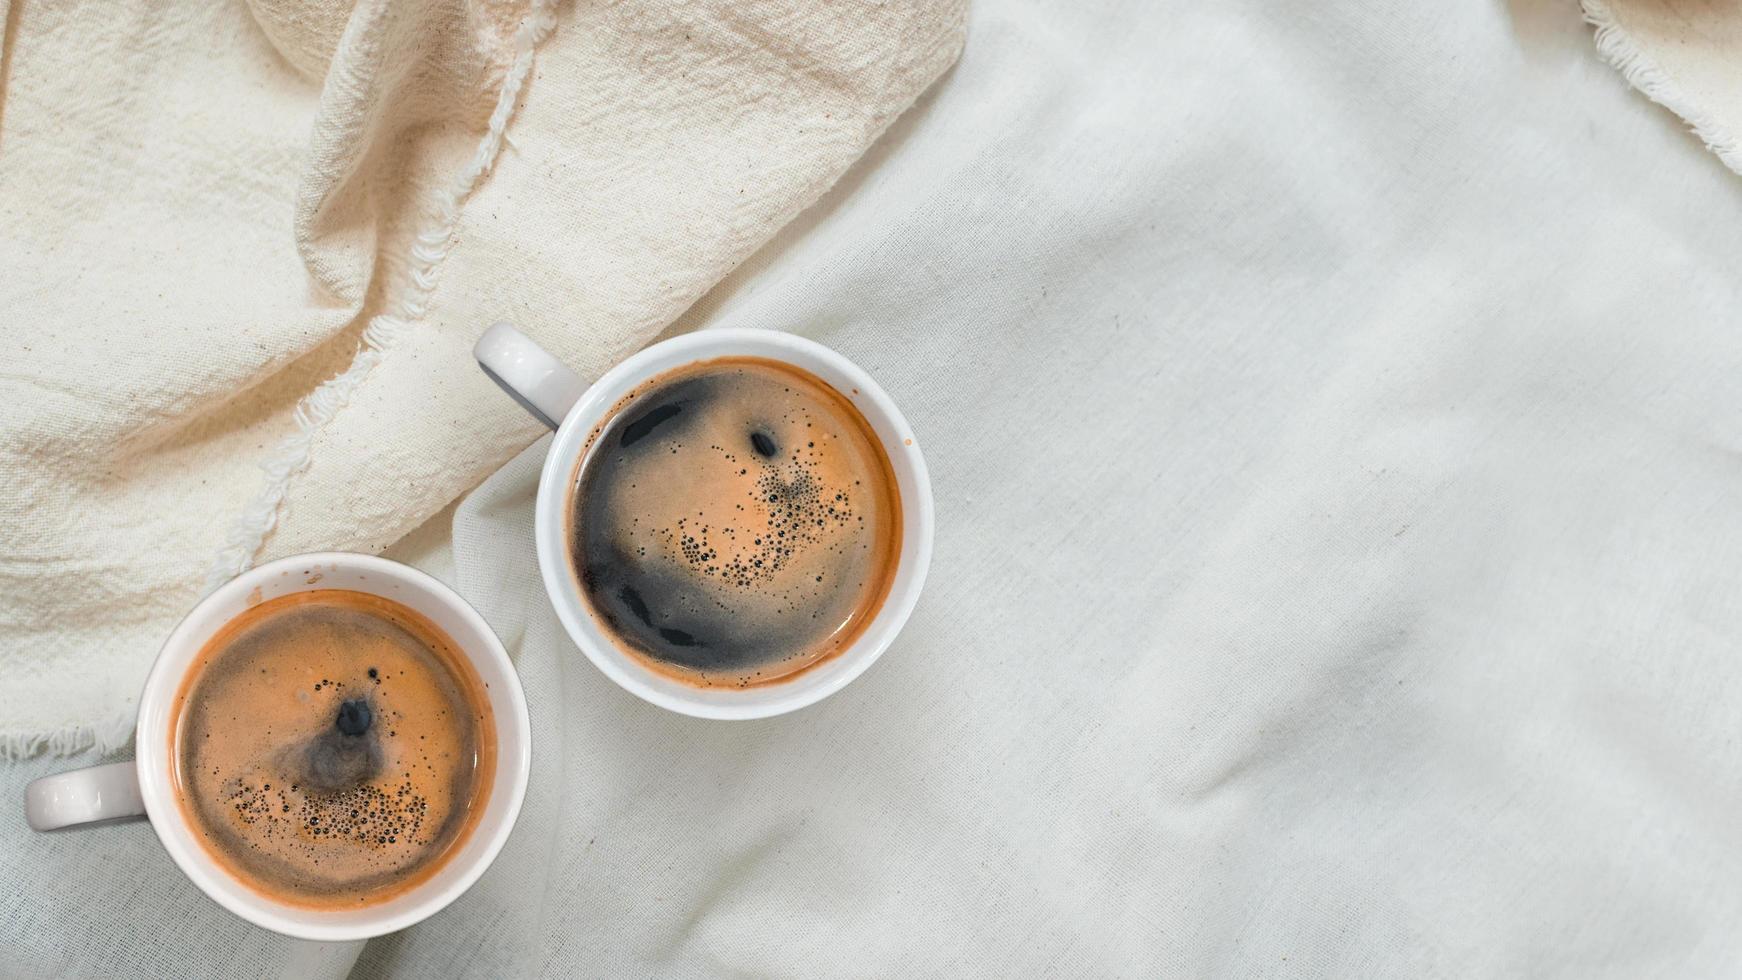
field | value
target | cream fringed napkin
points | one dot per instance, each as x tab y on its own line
245	249
1683	54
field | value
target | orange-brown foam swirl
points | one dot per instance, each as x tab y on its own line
734	522
332	748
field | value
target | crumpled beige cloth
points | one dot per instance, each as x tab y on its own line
1683	54
211	211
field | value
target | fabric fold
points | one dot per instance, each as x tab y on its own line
249	247
1685	55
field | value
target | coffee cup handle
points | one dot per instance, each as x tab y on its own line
539	382
84	796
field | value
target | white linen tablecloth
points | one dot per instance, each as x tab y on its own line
1333	413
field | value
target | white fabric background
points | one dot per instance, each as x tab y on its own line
1334	422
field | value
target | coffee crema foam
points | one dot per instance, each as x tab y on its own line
332	748
734	522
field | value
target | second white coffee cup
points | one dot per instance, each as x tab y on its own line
145	785
558	398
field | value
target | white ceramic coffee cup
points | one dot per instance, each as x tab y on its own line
145	785
557	397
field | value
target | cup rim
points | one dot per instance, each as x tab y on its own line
151	758
898	442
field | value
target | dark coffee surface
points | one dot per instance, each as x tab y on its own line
330	747
735	521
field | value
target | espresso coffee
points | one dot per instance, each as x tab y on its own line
332	748
734	522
